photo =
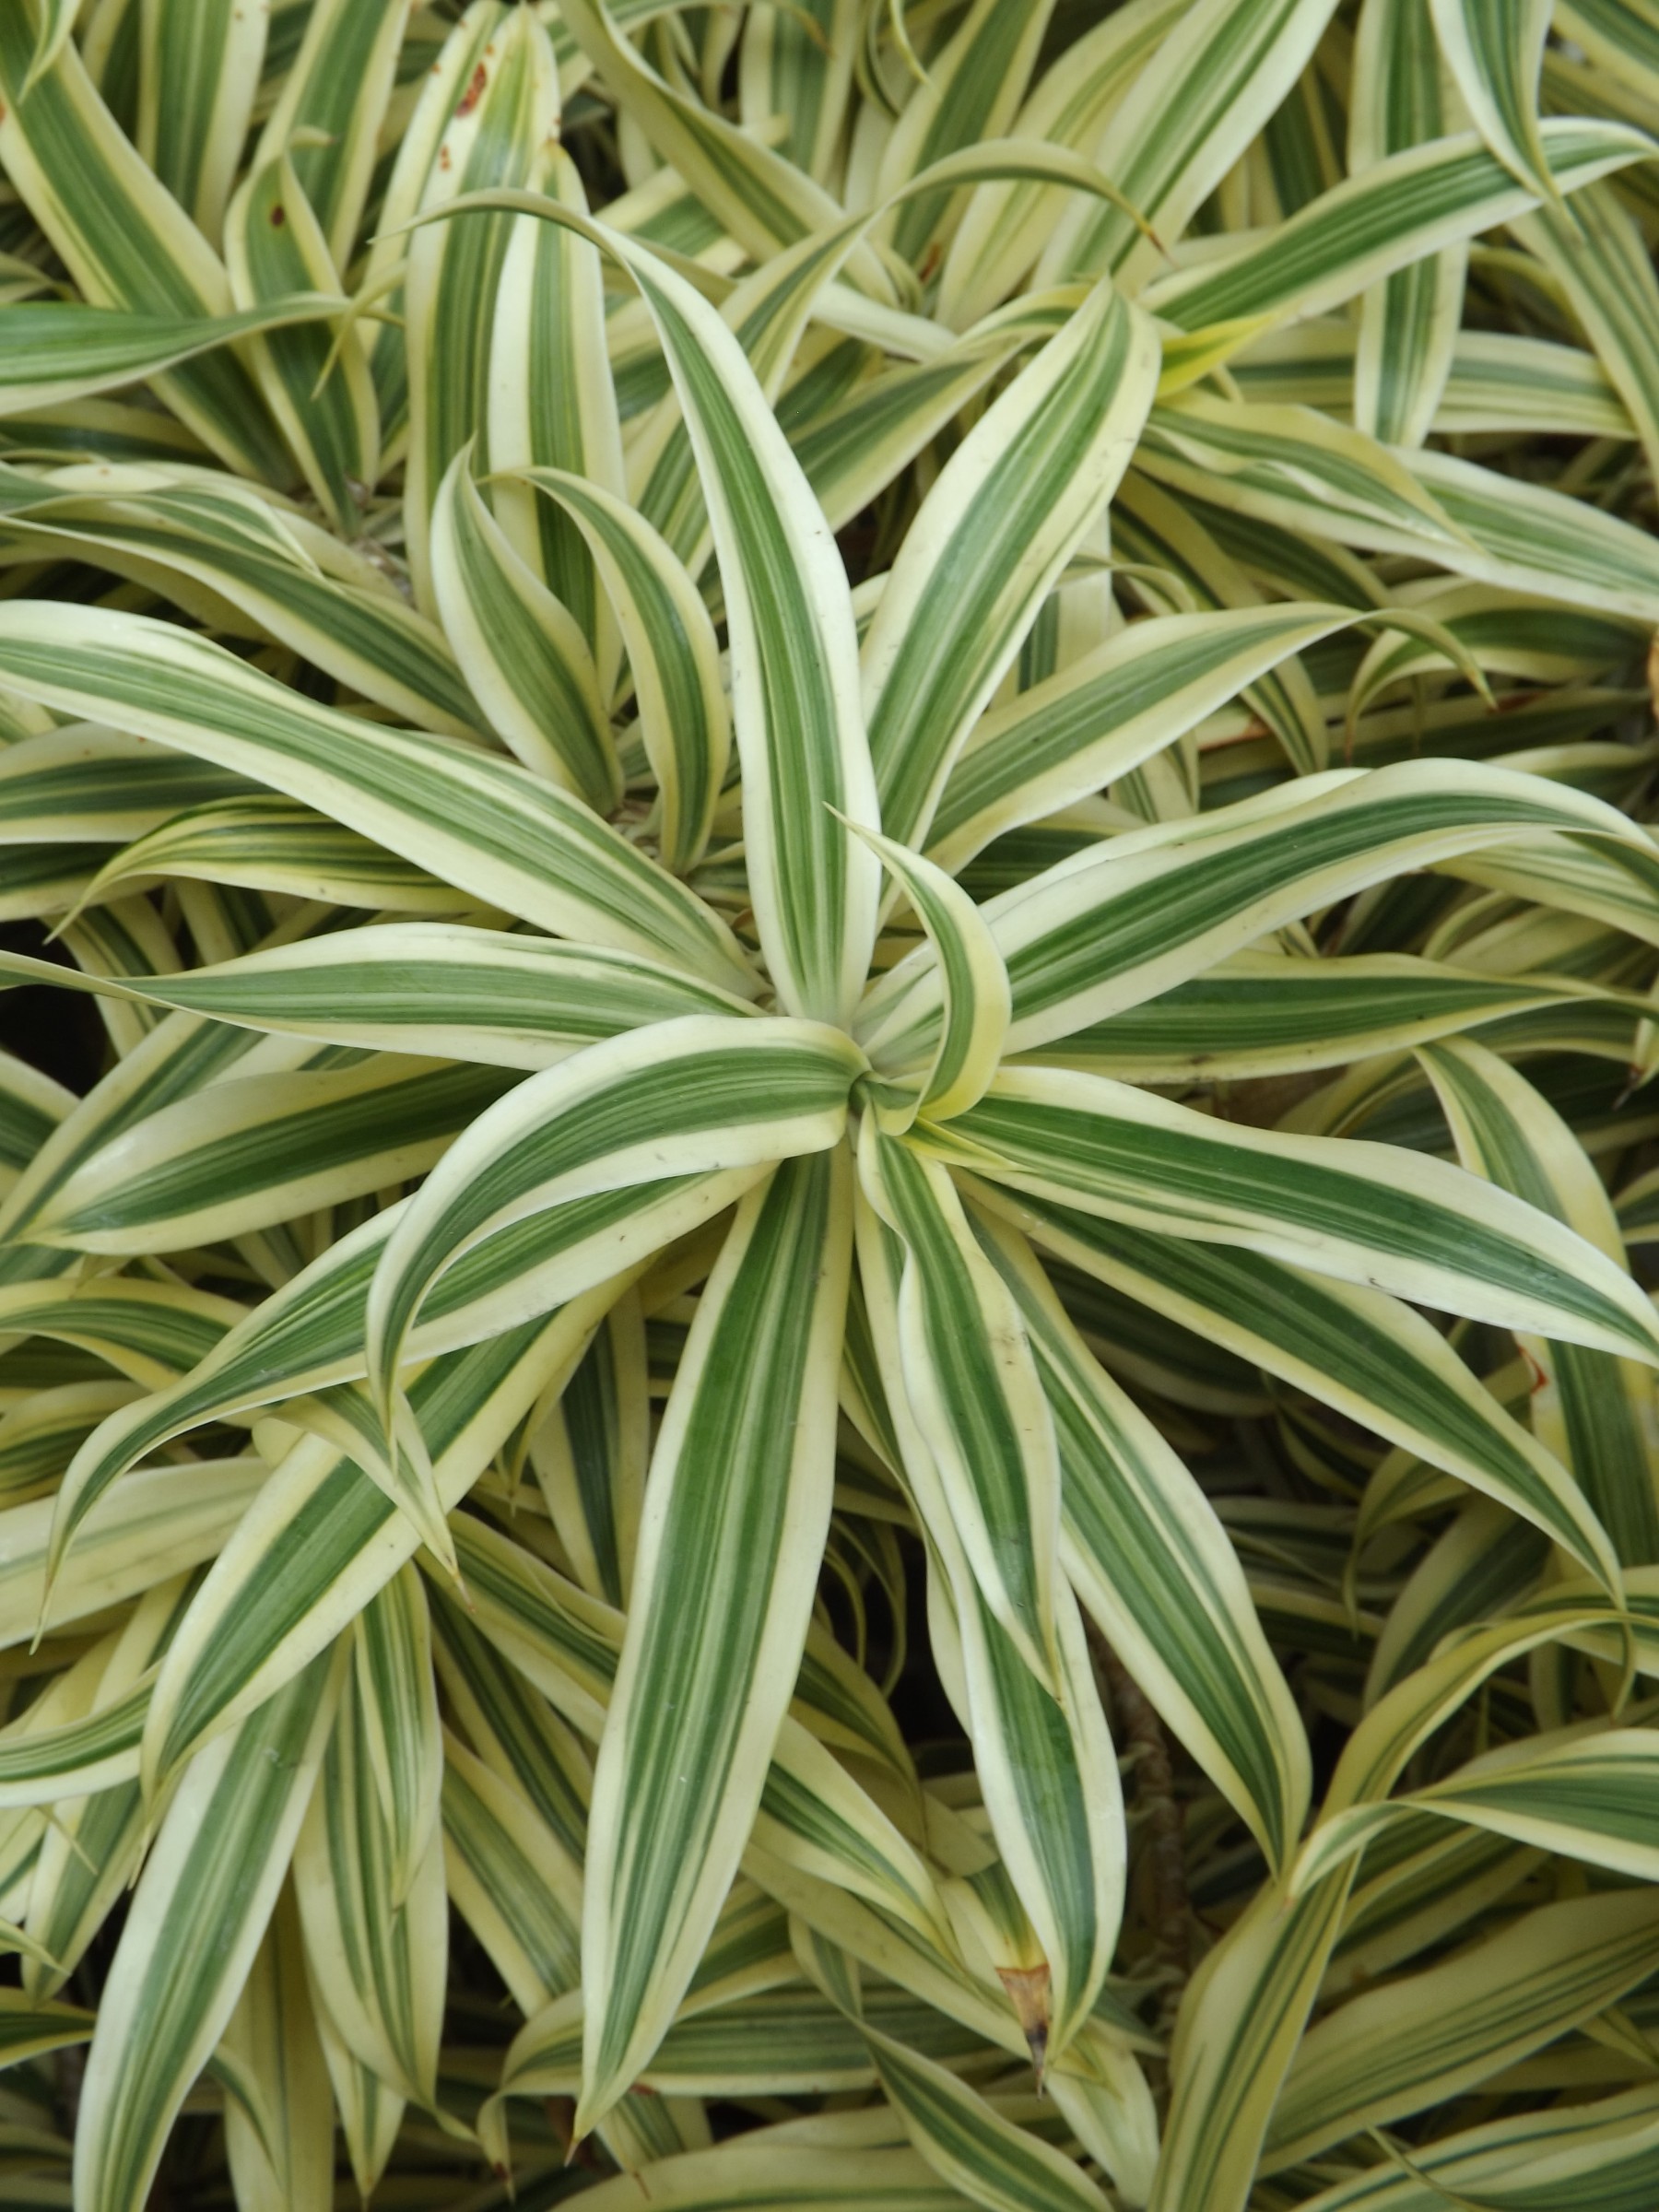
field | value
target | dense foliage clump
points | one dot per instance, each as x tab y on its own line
826	1145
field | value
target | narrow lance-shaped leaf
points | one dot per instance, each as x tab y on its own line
1592	1409
1045	1762
763	200
1294	468
813	1818
164	1520
153	1332
195	1925
970	2145
324	400
273	2036
371	2115
75	781
797	722
591	1453
124	237
337	88
1372	1358
962	2137
735	1514
198	71
1589	1798
794	705
1242	2017
1395	210
1595	250
310	1335
971	92
769	310
260	1147
56	27
673	653
974	984
1141	1545
286	575
1494	49
1005	227
1535	538
61	350
297	1569
1220	71
1157	534
785	69
795	708
91	1849
552	398
1050	1774
476	820
1336	1205
1261	1977
512	1726
1586	1792
1605	2144
489	131
512	1880
1006	513
1245	2010
29	2028
687	1098
519	647
376	1960
1107	711
1267	1012
1407	320
1118	924
1393	2050
392	1657
973	1393
48	1764
439	989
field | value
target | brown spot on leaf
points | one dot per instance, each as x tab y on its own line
278	216
1029	1989
474	91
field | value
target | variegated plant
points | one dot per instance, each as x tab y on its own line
856	796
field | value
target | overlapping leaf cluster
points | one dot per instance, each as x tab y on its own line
831	818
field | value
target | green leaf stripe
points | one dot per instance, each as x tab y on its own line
1398	209
58	350
1147	1558
693	1097
742	1474
483	823
1371	1356
201	1908
1005	515
1447	1240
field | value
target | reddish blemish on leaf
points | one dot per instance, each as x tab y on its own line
278	217
474	91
